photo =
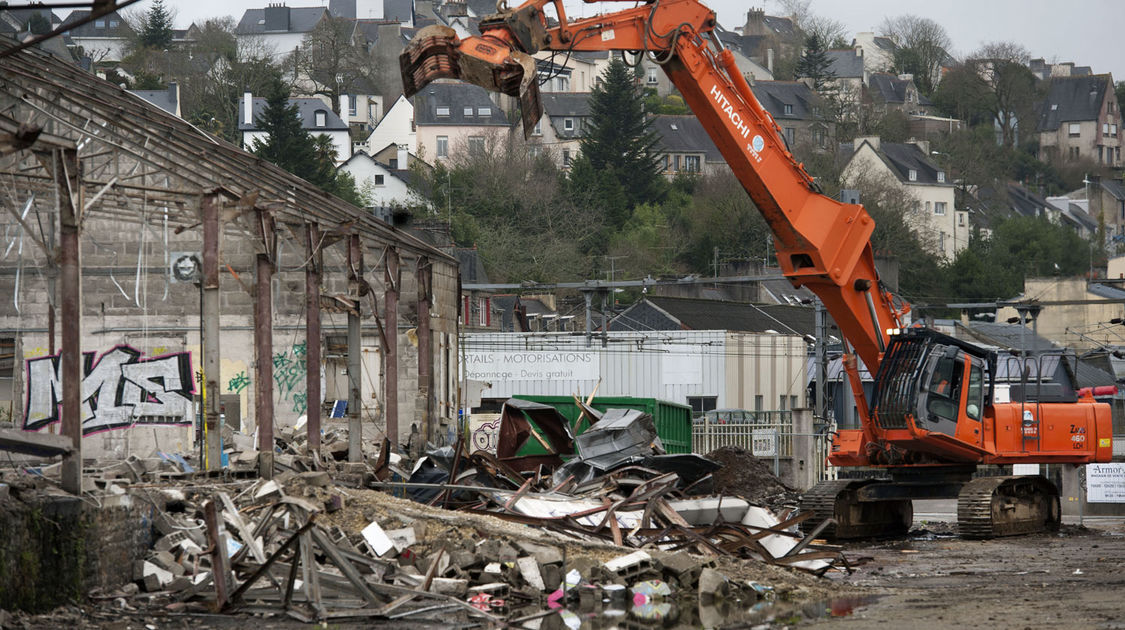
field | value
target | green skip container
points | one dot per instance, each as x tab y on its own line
673	420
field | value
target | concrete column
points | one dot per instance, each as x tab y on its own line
263	346
390	374
355	357
210	313
312	333
425	347
802	467
68	178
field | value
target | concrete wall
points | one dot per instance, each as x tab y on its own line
1056	322
55	549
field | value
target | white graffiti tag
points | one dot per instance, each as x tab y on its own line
119	390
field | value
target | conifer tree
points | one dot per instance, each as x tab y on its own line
156	33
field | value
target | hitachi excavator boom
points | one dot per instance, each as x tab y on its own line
933	418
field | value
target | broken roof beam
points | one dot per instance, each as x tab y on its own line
32	443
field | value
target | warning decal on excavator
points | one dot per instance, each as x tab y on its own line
758	144
1105	442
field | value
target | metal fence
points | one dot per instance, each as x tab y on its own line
769	428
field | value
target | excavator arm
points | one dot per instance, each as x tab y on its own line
821	243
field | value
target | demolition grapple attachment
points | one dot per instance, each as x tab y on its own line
436	52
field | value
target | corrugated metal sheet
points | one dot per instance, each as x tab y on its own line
669	365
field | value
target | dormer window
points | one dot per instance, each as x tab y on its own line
941	177
321	118
1054	107
484	112
912	175
442	111
788	109
568	124
99	24
468	112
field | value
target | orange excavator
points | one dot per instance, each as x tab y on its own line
937	412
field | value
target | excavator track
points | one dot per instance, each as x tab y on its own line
837	499
991	507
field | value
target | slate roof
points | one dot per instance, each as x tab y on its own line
1107	291
775	95
167	99
1014	198
399	10
685	134
306	107
1072	99
15	20
747	44
887	87
471	265
1113	187
656	312
904	157
457	96
301	20
91	29
845	64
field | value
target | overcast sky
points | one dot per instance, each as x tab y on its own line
1087	32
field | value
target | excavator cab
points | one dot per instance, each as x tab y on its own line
936	382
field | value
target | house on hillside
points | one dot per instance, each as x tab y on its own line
1081	120
943	227
395	127
277	27
684	146
1078	319
1106	197
316	118
103	40
849	82
798	111
560	130
891	93
453	118
877	52
385	188
1044	71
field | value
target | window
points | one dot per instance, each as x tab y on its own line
1105	128
115	24
961	219
484	112
702	404
476	145
691	163
321	118
442	111
566	157
1054	107
783	402
975	400
913	175
379	180
927	207
651	80
562	84
1074	129
1113	129
945	389
792	402
790	135
468	112
568	124
759	402
351	105
394	164
667	163
538	131
788	109
676	163
534	151
941	177
443	146
99	24
939	208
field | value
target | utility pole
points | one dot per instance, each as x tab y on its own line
820	354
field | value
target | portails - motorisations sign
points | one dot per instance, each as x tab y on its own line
532	366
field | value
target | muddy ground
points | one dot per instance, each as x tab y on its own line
1074	579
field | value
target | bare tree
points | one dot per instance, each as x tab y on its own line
1003	67
922	48
331	63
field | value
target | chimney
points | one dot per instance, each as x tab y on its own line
248	109
402	158
769	60
174	95
277	18
344	109
923	146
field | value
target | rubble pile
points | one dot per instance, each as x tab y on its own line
603	522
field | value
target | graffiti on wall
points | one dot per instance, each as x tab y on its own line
120	389
289	374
